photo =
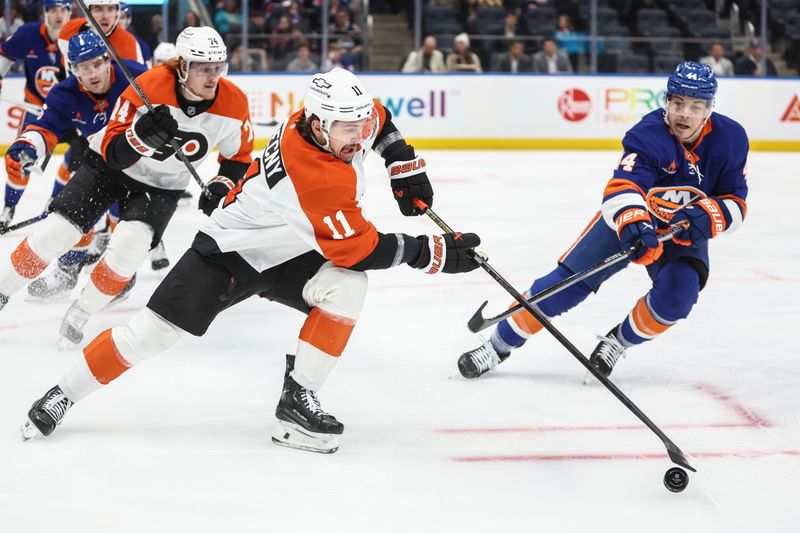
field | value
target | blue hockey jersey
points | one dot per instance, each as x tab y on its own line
42	59
658	172
69	106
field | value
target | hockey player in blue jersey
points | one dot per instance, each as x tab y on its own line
681	163
37	44
83	101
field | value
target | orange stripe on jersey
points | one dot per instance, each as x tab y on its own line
32	98
326	189
103	358
645	321
327	332
525	321
584	232
616	185
738	200
26	262
381	114
50	138
122	40
106	280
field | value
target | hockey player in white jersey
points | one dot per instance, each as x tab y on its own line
132	162
292	231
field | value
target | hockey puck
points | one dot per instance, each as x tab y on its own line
676	479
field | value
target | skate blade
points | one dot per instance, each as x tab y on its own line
293	436
28	431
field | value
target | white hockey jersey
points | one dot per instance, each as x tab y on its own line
296	198
226	125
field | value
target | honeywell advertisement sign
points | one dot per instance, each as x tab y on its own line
512	111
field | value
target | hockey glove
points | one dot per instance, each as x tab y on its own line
219	187
707	219
447	253
410	181
19	159
153	129
635	228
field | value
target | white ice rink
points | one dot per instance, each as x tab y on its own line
182	442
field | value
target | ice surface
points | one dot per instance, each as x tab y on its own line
181	443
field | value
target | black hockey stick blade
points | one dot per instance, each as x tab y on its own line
677	457
477	322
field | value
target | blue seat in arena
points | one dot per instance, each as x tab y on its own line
666	64
633	64
647	19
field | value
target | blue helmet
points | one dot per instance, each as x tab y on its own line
693	80
85	46
50	4
125	8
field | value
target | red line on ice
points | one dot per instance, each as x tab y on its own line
618	456
556	429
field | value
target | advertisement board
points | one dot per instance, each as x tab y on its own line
493	111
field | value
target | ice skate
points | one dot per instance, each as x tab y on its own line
477	362
302	424
125	292
3	301
6	216
98	246
58	282
158	257
606	354
71	331
46	414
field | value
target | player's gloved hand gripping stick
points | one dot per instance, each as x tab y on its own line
141	94
675	453
478	322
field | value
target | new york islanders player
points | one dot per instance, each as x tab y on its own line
37	44
292	231
684	162
106	14
83	101
132	162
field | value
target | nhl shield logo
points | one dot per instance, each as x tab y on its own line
191	111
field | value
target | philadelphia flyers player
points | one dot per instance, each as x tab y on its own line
36	43
132	162
292	231
106	13
683	162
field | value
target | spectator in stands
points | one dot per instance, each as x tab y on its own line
156	29
190	20
348	35
285	38
16	22
515	59
568	40
509	31
551	60
750	65
228	19
721	65
336	58
302	63
426	59
462	59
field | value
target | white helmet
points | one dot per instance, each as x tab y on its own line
337	95
164	52
200	44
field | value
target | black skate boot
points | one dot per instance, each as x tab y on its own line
58	282
46	413
477	362
607	352
158	257
302	423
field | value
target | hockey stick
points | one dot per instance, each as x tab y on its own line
271	124
18	225
478	322
675	453
27	106
141	94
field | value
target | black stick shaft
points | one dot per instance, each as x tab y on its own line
132	81
479	323
19	225
675	453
